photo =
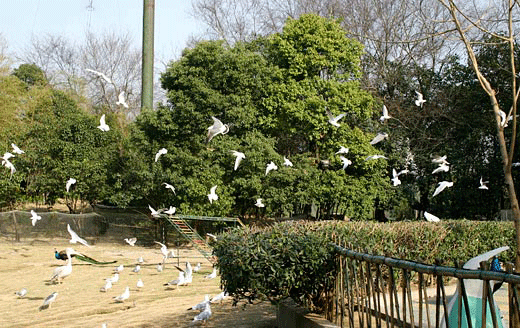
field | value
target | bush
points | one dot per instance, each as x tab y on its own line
296	259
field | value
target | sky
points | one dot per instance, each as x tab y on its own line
22	19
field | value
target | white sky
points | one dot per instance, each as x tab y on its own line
21	19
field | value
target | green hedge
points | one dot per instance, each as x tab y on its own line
295	258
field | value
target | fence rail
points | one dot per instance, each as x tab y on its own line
376	291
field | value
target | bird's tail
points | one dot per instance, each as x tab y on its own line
88	259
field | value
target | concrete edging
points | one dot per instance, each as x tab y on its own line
291	315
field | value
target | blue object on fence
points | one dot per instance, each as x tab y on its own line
474	289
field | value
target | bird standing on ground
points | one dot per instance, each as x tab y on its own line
271	166
107	286
212	196
74	238
442	185
334	119
114	278
119	268
177	282
69	183
204	315
63	271
216	129
212	275
48	301
202	305
197	267
219	297
154	213
123	297
238	158
21	293
102	125
136	269
34	217
161	151
140	283
171	210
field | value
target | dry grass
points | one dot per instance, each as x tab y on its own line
30	263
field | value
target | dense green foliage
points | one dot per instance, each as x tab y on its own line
295	258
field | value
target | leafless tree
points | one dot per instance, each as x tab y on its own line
5	61
67	66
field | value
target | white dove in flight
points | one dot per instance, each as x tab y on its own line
74	238
342	150
17	150
483	184
346	162
375	157
131	241
239	157
420	100
385	115
216	129
430	217
102	125
287	162
395	178
155	213
271	166
334	119
212	196
169	186
440	160
259	203
161	151
102	75
35	217
379	137
121	100
441	168
69	183
442	185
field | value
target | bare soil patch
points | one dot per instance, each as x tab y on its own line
30	263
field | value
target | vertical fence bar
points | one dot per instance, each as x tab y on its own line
427	307
383	294
466	303
459	306
391	294
421	285
403	293
358	301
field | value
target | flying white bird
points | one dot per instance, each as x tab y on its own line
440	160
259	203
202	305
395	178
442	185
107	286
121	100
108	80
271	166
504	119
169	186
239	157
17	150
63	271
171	210
204	315
212	236
21	293
375	157
34	217
48	301
216	128
212	275
379	137
155	213
346	162
385	115
136	269
102	125
420	100
9	165
342	150
441	168
69	183
121	298
131	241
161	151
430	217
334	119
212	196
483	184
139	283
6	157
165	252
74	238
287	162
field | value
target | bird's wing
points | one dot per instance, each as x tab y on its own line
474	263
212	190
102	120
385	111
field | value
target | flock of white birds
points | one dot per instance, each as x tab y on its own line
185	278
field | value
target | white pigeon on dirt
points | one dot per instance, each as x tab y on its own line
212	275
204	315
219	297
107	286
34	217
74	238
177	282
123	297
48	301
21	293
140	283
136	269
197	267
239	156
202	305
114	278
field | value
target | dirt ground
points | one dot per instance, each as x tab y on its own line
30	263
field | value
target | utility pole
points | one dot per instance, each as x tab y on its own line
147	55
